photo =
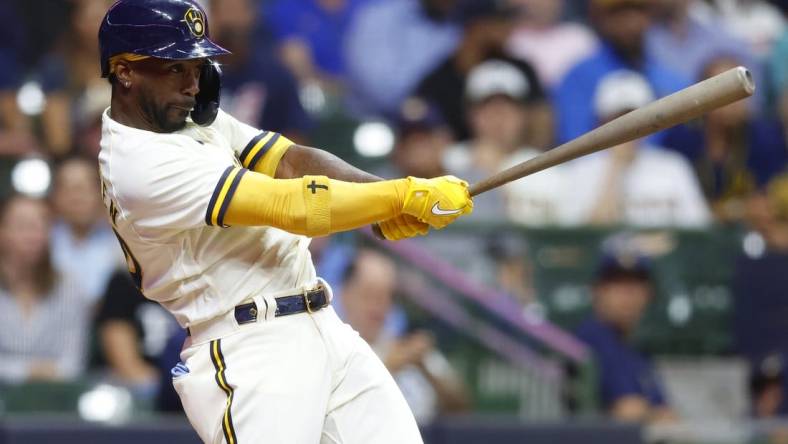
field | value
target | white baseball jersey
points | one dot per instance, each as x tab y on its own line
167	195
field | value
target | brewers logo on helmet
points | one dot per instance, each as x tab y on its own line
195	20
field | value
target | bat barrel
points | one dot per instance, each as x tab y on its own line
679	107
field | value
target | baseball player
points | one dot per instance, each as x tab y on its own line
215	217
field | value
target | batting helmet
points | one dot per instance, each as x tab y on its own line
166	29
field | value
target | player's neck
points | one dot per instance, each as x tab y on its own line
125	113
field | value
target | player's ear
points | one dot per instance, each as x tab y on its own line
122	73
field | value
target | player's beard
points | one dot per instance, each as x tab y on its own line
158	115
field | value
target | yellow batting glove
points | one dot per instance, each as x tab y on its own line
437	202
402	227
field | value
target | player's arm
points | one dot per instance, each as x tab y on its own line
317	205
285	160
301	161
276	156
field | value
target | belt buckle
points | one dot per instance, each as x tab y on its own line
306	302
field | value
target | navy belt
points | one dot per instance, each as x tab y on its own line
310	301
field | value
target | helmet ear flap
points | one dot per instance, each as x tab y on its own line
207	100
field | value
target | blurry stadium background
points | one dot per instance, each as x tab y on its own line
496	329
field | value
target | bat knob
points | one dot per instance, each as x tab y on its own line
745	77
378	232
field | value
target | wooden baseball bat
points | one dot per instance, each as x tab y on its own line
679	107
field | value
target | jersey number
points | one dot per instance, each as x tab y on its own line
131	261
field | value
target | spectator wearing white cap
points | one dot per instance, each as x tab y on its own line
634	183
498	97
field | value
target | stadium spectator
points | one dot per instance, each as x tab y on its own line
778	73
499	98
44	316
683	43
485	29
629	389
133	333
759	279
75	95
734	151
757	22
767	213
256	88
621	26
767	392
422	138
310	35
391	45
425	377
513	269
15	131
551	45
767	380
83	245
635	183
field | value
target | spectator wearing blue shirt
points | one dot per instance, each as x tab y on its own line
15	135
683	43
84	248
10	74
622	26
392	45
734	152
75	96
629	388
310	34
256	88
12	38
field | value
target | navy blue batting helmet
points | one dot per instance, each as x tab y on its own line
166	29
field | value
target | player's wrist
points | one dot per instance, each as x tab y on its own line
415	199
401	190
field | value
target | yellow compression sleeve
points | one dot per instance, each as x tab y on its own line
313	205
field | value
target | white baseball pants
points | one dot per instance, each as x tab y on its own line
298	379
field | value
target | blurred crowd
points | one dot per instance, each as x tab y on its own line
466	87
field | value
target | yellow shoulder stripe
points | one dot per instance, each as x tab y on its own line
267	147
222	195
271	160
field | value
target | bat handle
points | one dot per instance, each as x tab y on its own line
474	189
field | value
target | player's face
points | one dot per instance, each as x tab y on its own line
166	91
